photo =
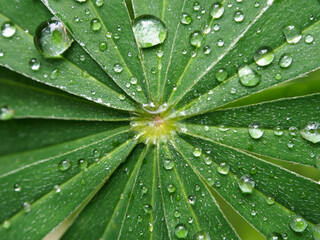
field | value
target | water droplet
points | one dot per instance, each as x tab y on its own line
186	19
248	77
277	131
122	97
6	113
133	80
270	201
147	208
311	132
298	224
168	164
27	207
246	184
192	199
285	60
117	68
201	236
144	190
197	152
220	43
196	38
290	144
6	224
176	214
308	39
95	24
181	230
292	33
264	56
149	31
16	187
171	188
223	168
103	46
293	131
217	10
238	16
99	3
54	74
196	6
206	50
52	38
316	232
275	236
255	132
57	188
34	64
8	29
160	53
83	164
221	75
64	165
81	1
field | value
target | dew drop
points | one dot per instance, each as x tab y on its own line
206	50
292	33
81	1
293	131
103	46
185	19
223	168
221	75
246	184
34	64
16	187
238	16
171	188
275	236
6	224
117	68
308	39
201	236
277	131
8	29
159	53
176	214
285	60
316	232
196	38
147	208
264	56
290	144
95	24
196	6
168	164
149	31
217	10
27	207
64	165
255	132
197	152
83	164
52	38
6	113
311	132
99	3
192	199
181	230
270	201
317	162
54	74
298	224
248	77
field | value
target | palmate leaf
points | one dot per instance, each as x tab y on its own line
112	140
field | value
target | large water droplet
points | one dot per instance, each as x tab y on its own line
264	56
185	19
246	184
298	224
149	31
8	29
196	38
292	33
255	132
201	236
217	10
285	60
316	232
52	38
223	168
311	132
181	230
248	77
6	113
64	165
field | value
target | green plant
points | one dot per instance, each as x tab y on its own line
119	140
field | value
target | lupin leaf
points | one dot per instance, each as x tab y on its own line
135	131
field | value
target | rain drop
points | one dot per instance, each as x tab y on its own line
54	74
277	131
8	29
16	187
95	24
238	16
168	164
246	184
221	75
270	201
285	60
6	224
248	77
149	31
6	113
181	230
192	199
298	224
171	188
197	152
99	3
255	132
117	68
83	164
52	38
308	39
64	165
103	46
311	132
275	236
201	236
217	10
34	64
185	19
292	33
316	232
147	208
223	168
264	56
196	38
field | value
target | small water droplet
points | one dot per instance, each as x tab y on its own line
144	190
248	77
57	188
64	165
117	68
206	50
168	164
81	1
103	46
217	10
246	184
16	187
196	38
160	53
221	75
201	235
270	201
99	3
192	199
6	113
8	29
255	132
308	38
176	214
95	24
196	6
34	64
147	208
238	16
275	236
293	131
181	230
292	33
264	56
83	164
197	152
149	31
223	168
171	188
54	74
27	207
285	60
6	224
186	19
298	224
290	144
52	38
311	132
